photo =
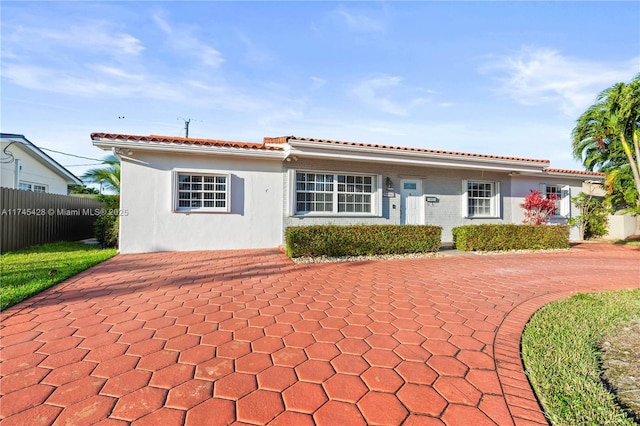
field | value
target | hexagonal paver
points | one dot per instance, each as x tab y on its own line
416	372
253	363
235	386
259	407
298	340
382	409
472	415
339	413
139	403
73	392
314	371
172	375
214	369
233	349
342	387
353	346
382	358
304	397
422	399
213	411
288	357
457	390
87	411
349	364
322	351
126	383
289	418
382	379
447	366
189	394
276	378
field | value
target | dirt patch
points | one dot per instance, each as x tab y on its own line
621	366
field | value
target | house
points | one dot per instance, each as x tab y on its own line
200	194
25	166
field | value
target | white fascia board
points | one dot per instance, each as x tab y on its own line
414	158
109	144
564	175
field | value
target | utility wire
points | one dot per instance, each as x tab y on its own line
70	155
78	165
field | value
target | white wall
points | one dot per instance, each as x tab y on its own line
255	220
621	226
32	171
522	185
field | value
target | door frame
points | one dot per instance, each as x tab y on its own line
403	201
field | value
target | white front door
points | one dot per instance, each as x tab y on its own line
411	203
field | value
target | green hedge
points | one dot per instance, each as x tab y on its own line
357	240
510	237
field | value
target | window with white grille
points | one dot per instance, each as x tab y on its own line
202	192
335	193
480	199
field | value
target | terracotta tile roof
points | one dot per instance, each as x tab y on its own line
186	141
573	172
285	139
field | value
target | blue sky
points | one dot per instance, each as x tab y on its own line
505	78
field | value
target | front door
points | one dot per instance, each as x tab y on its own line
411	203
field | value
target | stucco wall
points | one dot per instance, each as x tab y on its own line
445	184
32	171
522	185
150	225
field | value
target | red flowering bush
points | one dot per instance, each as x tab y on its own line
537	208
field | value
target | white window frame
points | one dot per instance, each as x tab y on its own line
563	203
184	172
495	206
376	194
34	187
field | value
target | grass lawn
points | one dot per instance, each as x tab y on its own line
559	349
24	273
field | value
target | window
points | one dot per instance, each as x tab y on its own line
32	187
335	193
202	192
480	199
562	195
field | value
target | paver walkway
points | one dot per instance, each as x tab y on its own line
208	338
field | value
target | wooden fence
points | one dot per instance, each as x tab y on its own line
31	218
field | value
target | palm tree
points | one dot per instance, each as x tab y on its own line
606	134
108	177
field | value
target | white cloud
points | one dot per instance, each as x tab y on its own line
536	76
359	22
109	84
182	40
317	82
95	35
377	92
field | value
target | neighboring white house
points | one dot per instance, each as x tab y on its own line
199	194
24	166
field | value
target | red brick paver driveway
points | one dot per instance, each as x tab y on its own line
210	338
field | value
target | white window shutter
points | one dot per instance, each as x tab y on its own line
565	201
496	204
465	198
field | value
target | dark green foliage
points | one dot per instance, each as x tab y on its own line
510	237
107	225
594	218
358	240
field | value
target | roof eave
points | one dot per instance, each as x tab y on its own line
108	143
373	154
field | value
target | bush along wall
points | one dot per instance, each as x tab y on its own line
358	240
510	237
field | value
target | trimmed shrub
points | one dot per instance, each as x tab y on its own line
510	237
358	240
107	225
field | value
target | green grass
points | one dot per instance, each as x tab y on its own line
24	273
628	242
559	349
